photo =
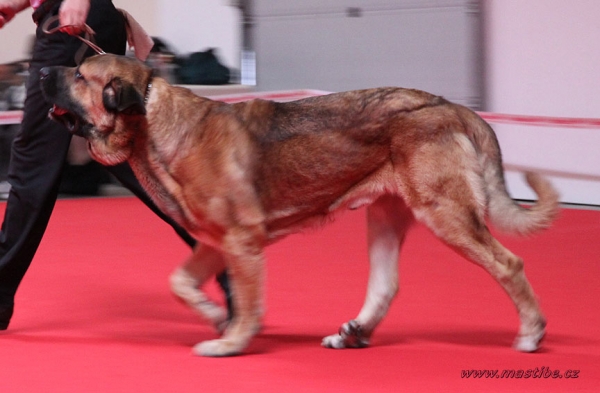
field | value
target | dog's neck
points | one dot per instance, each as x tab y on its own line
148	87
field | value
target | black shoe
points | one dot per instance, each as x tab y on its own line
5	315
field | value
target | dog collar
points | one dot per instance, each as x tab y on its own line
148	87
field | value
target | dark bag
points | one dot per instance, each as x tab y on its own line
202	68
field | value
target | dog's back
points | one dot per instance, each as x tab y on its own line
361	112
322	148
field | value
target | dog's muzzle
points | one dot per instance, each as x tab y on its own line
74	124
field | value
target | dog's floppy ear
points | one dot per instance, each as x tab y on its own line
123	97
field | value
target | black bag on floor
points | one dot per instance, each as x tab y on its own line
202	68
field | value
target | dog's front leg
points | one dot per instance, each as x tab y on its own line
186	281
243	253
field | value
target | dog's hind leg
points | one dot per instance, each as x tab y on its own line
186	281
388	219
465	231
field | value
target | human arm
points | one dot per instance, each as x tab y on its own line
9	8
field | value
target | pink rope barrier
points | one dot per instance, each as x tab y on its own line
11	117
540	121
496	118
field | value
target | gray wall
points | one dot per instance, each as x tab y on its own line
335	45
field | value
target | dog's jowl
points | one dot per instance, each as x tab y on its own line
238	177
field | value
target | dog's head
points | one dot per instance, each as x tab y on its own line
102	100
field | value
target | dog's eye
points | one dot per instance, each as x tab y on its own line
78	75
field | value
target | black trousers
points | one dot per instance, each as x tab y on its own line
39	151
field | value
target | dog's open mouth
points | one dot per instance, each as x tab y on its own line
66	118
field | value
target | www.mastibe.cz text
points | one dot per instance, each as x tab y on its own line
532	373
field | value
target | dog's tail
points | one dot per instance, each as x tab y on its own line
503	211
510	217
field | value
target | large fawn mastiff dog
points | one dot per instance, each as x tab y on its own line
239	177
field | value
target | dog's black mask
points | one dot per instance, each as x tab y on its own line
64	110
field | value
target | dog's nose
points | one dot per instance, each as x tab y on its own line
44	73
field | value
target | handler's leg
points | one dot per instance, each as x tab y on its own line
37	158
39	151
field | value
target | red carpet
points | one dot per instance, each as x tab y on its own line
94	313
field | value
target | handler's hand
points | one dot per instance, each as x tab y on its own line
5	16
72	16
9	8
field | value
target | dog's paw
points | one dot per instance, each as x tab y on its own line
349	336
217	348
185	288
530	342
215	314
334	341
